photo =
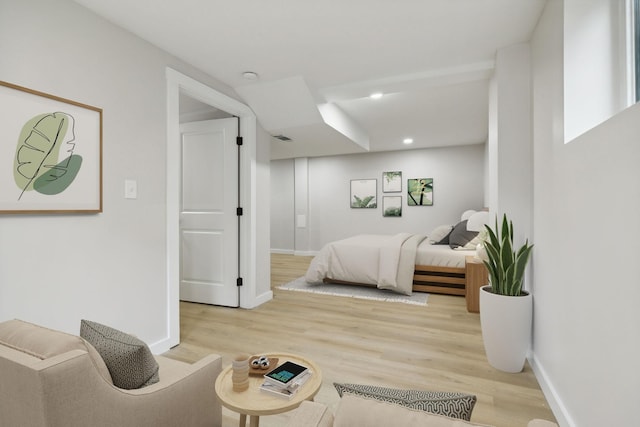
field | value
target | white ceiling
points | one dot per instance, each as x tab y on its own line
432	59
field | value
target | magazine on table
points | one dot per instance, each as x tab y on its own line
287	375
285	380
277	391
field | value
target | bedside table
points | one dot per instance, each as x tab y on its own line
476	277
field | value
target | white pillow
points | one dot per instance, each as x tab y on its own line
439	233
355	411
473	243
467	214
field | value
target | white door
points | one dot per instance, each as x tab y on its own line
208	218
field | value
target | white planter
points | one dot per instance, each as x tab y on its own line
506	329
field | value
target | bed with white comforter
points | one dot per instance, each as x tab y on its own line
385	261
403	262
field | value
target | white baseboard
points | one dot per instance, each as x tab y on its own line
294	252
305	253
261	299
161	346
282	251
557	407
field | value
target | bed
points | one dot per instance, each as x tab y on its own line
402	263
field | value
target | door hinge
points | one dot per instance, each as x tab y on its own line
239	281
239	140
239	211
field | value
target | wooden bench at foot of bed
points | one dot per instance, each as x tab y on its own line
440	280
429	278
463	281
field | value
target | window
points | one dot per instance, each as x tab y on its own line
601	61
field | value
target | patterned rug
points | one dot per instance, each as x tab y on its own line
354	291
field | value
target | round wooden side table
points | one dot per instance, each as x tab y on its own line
255	403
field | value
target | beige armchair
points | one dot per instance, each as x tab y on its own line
53	379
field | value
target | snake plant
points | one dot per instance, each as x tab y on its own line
505	265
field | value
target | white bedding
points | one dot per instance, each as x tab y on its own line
386	261
441	255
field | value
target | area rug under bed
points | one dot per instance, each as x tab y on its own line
354	291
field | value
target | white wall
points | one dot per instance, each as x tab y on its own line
509	144
586	198
261	185
282	206
458	175
301	202
109	267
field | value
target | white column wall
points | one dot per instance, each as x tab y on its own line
509	151
282	206
261	184
301	201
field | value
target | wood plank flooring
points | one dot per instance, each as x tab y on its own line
437	347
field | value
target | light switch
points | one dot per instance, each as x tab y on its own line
301	221
130	189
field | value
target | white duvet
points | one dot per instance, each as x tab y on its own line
386	261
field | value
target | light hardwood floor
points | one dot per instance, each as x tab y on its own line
437	347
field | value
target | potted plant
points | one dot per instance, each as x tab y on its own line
505	309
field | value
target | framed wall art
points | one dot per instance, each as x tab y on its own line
392	206
392	182
420	192
51	153
363	193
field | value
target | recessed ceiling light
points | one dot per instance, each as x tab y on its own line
376	95
407	141
250	75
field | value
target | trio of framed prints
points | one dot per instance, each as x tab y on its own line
364	193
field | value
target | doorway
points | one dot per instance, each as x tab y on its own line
178	83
